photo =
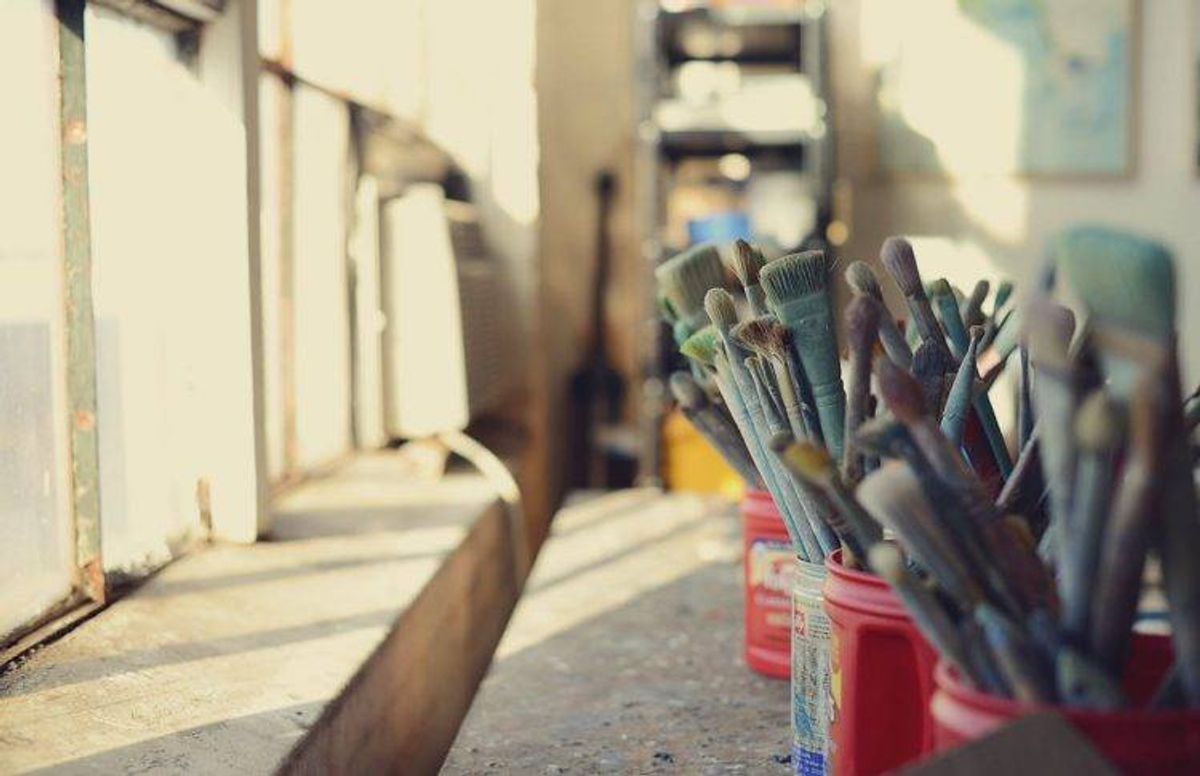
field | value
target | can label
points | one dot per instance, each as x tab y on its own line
770	569
811	704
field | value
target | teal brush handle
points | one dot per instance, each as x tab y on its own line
803	545
810	319
959	342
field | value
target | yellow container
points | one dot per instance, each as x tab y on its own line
691	464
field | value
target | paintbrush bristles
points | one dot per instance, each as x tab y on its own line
746	263
1123	279
862	323
755	335
898	258
702	346
972	309
686	277
795	275
862	280
721	310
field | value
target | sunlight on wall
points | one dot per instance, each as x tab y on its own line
320	285
36	552
167	176
960	87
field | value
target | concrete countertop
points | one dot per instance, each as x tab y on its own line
624	654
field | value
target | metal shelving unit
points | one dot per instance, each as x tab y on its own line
777	114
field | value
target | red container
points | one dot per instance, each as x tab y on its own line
1136	741
882	675
768	566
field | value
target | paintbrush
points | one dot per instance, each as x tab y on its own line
893	496
861	279
994	352
759	335
1024	399
811	463
1097	434
1128	283
943	299
741	396
1026	574
1131	525
929	368
972	306
1055	394
1023	490
797	288
684	280
804	397
958	401
862	318
802	498
714	426
1018	658
1003	291
747	261
766	378
927	612
898	259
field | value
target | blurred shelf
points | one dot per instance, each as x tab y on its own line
743	15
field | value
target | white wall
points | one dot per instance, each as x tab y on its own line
1008	219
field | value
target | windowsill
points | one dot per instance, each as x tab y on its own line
224	659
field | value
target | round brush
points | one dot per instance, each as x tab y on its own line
861	279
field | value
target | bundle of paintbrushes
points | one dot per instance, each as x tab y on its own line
767	367
1025	575
1103	480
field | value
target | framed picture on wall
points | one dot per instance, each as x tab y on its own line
1025	87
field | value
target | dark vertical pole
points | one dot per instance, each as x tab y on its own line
80	323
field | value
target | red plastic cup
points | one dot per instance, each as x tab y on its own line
882	675
768	567
1136	741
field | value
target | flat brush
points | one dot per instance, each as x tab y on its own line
943	298
1128	283
892	495
747	262
861	279
797	288
685	278
898	259
714	426
760	336
862	318
1131	526
972	306
958	402
1097	433
811	463
927	613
